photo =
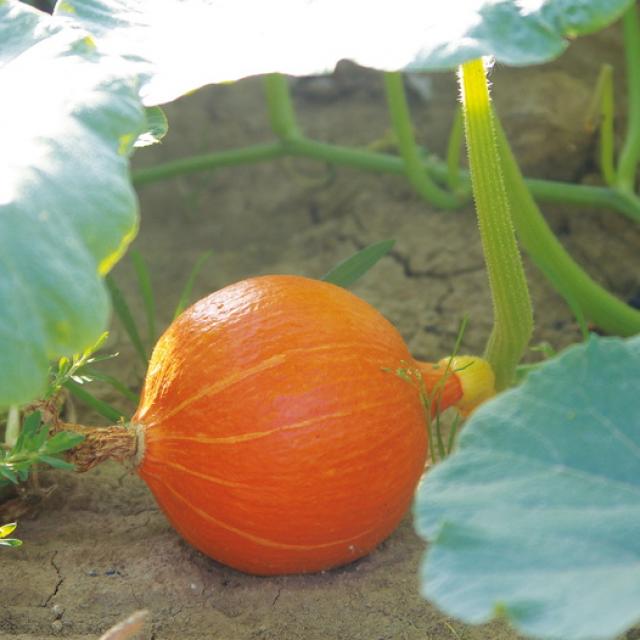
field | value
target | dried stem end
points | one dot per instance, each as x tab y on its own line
120	443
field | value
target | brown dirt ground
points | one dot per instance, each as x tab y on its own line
99	549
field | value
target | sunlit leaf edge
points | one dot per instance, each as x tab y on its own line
57	241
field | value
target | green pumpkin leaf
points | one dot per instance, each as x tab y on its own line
536	516
179	46
67	209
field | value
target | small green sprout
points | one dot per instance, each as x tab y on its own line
34	446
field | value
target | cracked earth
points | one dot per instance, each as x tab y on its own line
98	549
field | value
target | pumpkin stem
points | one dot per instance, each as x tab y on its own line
441	386
463	382
100	444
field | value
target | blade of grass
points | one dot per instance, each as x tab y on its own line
123	311
348	271
441	450
113	382
455	425
630	152
444	451
146	290
427	412
607	152
435	392
102	407
188	287
600	114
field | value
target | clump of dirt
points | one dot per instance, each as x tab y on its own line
99	549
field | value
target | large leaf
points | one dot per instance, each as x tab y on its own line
179	45
537	514
67	209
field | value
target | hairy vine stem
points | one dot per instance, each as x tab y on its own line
512	312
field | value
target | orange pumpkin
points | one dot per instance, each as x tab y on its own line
276	434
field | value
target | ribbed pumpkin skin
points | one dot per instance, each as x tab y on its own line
277	437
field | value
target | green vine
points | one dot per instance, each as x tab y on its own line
409	151
291	142
571	281
445	184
